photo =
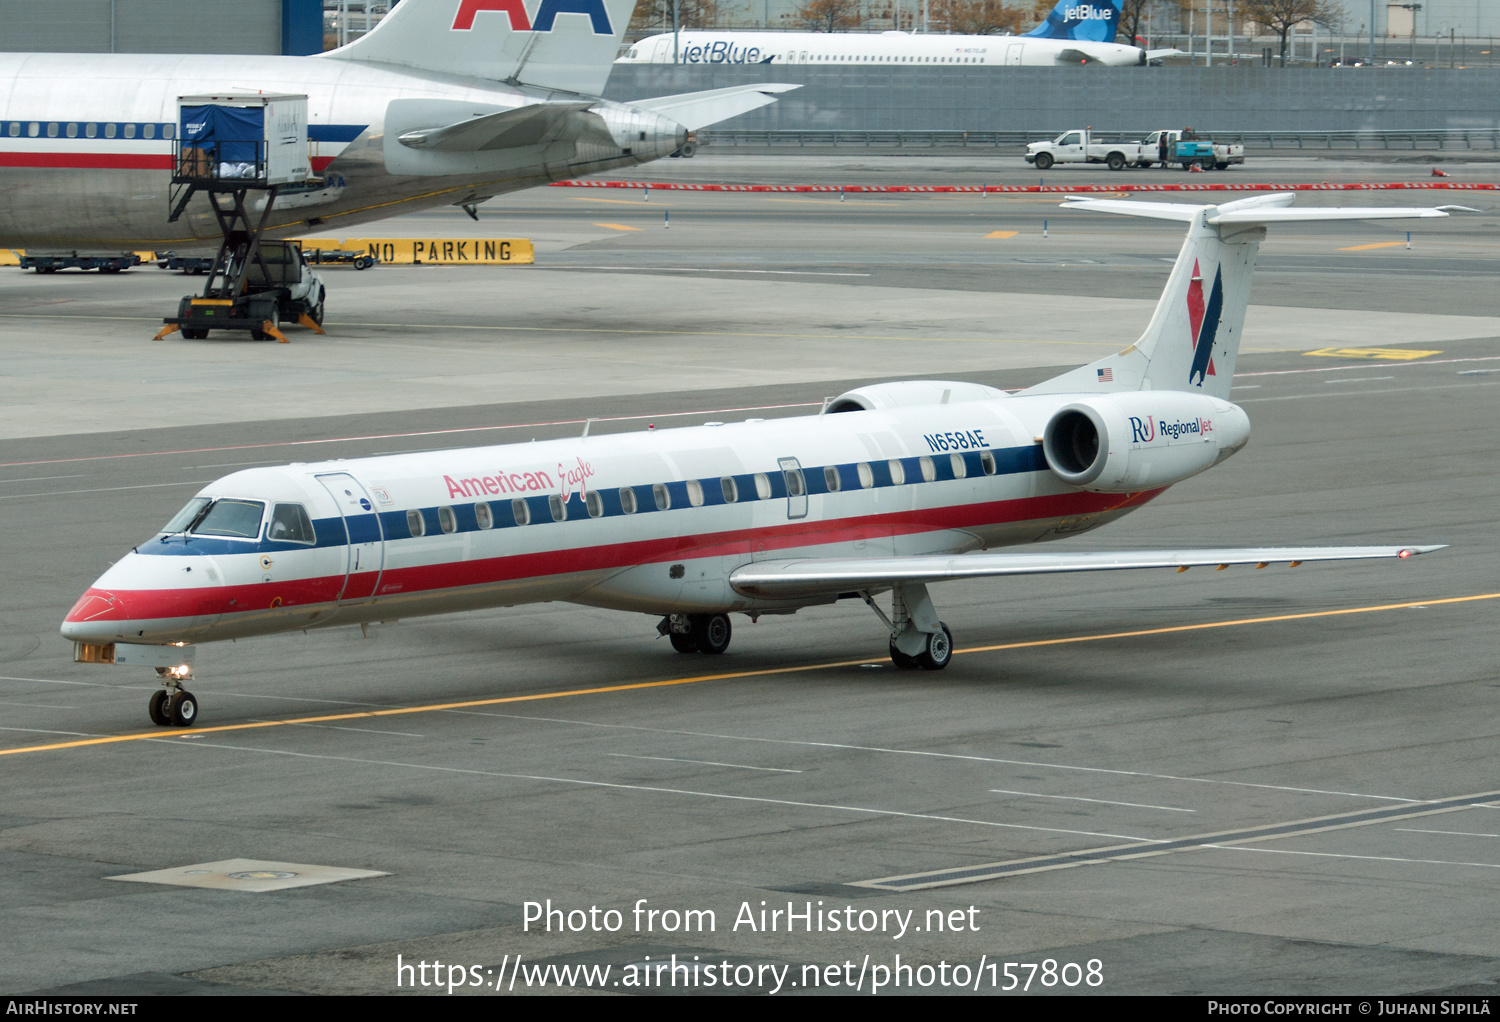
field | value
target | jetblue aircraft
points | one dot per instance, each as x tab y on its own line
890	489
1074	33
444	102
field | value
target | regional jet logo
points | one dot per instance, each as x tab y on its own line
546	14
1204	323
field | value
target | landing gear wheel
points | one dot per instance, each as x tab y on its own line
1043	161
157	708
184	709
711	632
902	661
683	642
939	650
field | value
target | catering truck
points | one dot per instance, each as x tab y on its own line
1081	145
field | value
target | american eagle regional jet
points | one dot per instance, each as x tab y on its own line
444	102
890	489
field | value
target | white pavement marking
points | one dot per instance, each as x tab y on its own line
54	681
706	762
1362	393
947	755
107	489
659	790
39	706
1338	855
1101	801
43	479
1335	369
1360	379
1455	833
364	730
44	731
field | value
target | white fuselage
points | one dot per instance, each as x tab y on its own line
654	521
883	49
86	144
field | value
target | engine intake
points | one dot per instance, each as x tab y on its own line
1123	443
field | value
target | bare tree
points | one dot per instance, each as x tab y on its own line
1281	16
831	15
1131	13
980	17
651	15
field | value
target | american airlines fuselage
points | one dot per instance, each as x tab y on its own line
86	147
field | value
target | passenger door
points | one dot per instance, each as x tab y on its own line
1013	54
366	546
796	487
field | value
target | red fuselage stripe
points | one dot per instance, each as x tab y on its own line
89	161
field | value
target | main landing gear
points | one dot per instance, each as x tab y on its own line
697	633
173	705
918	638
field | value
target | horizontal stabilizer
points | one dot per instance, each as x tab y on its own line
793	579
1263	209
694	110
527	125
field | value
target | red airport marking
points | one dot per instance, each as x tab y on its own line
398	436
1040	189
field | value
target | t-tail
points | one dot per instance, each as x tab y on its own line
1092	20
553	44
1193	339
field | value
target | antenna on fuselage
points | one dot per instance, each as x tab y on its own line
586	424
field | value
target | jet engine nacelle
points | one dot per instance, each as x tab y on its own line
912	394
1122	443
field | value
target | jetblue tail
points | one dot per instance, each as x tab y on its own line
1193	339
1093	20
554	44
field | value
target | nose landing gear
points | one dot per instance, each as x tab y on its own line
173	705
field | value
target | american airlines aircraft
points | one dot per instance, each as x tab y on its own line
892	488
1074	33
444	102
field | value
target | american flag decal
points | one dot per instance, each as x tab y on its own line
1106	375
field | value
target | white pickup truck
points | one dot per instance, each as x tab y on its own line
1080	146
1199	152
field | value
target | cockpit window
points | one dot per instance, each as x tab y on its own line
183	520
238	519
290	524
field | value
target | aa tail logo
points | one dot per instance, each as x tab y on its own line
546	14
1204	323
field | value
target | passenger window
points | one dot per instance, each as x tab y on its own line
866	475
483	516
831	478
627	500
960	468
109	131
149	131
237	519
168	130
762	486
729	489
662	496
15	128
72	131
32	129
90	130
558	508
183	520
695	492
446	520
595	503
987	459
929	470
898	471
520	511
290	524
796	485
415	524
52	129
130	131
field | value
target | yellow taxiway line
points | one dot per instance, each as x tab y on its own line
727	676
1370	247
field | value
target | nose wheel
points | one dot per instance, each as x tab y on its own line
172	705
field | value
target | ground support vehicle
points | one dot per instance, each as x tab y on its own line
228	147
51	262
334	256
1082	146
1189	153
187	264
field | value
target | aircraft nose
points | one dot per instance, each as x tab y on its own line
97	615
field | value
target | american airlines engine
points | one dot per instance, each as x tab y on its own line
445	102
889	490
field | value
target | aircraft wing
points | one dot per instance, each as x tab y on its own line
527	125
1073	55
694	110
1161	54
792	579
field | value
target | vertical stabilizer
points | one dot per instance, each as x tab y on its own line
1193	339
553	44
1093	20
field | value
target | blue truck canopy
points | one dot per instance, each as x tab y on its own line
237	132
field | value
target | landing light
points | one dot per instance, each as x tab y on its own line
1404	554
